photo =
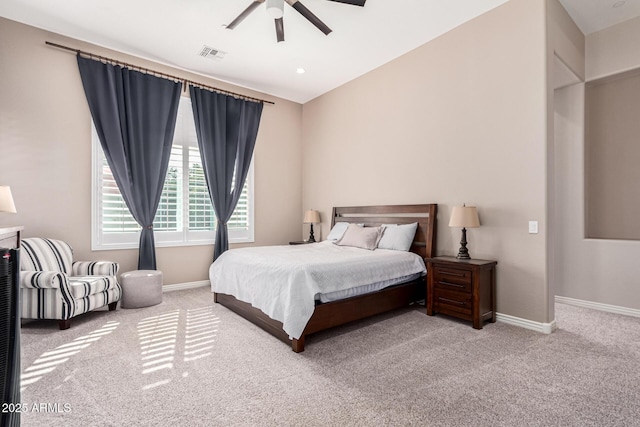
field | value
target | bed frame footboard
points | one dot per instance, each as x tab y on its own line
332	314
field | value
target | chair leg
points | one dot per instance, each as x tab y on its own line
64	324
113	306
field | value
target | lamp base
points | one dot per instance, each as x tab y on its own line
311	238
463	252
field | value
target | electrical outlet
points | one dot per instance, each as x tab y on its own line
533	227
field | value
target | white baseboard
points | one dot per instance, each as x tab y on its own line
183	286
599	306
545	328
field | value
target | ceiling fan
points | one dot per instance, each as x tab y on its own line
275	8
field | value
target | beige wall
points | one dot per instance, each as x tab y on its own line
613	50
565	64
595	270
565	38
45	153
612	193
461	119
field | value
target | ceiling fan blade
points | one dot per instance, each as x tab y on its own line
309	16
353	2
279	29
244	14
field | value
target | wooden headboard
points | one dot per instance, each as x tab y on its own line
424	242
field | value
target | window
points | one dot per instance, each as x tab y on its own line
185	215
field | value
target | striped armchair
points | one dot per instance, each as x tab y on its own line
53	286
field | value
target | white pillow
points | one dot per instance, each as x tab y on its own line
398	237
361	237
337	231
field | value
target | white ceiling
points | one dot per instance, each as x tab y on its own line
596	15
173	32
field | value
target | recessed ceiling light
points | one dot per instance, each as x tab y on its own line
619	3
300	70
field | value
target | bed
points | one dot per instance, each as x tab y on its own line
248	268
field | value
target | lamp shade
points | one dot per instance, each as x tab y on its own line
275	8
311	217
464	216
6	200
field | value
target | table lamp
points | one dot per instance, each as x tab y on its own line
465	217
311	217
6	200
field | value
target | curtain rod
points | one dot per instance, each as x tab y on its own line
158	73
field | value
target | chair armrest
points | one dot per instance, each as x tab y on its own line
43	279
94	268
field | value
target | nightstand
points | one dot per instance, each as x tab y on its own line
465	289
300	242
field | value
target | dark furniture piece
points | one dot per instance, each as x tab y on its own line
328	315
300	242
464	288
10	324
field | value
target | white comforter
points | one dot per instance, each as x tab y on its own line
283	281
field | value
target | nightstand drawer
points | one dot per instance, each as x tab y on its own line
452	301
452	279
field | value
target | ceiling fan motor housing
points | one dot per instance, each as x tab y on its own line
275	8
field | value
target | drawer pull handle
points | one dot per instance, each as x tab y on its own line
451	284
452	273
451	301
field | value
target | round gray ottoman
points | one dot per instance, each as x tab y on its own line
141	288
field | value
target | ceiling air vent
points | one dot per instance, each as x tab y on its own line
211	53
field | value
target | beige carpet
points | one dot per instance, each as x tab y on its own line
188	362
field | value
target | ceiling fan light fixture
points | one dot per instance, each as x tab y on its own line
275	8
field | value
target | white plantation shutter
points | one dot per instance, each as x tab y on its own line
169	213
115	213
185	215
240	217
116	217
201	215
